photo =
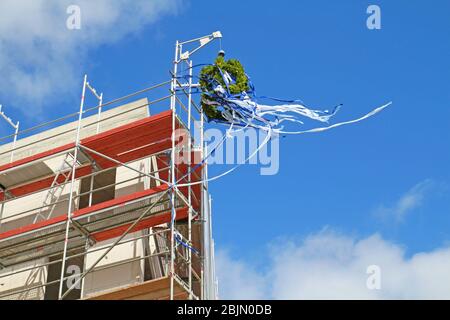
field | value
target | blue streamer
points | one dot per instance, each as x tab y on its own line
184	244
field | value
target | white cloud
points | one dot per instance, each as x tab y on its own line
411	200
332	266
237	279
40	57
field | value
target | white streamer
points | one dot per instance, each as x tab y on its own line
313	114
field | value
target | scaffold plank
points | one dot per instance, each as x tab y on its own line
157	289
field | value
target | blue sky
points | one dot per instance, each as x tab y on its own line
353	180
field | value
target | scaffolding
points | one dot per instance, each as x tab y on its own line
171	212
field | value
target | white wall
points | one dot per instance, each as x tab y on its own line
125	274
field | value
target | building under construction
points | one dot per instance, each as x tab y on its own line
111	202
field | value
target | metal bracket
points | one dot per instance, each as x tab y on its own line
84	232
6	192
203	42
95	165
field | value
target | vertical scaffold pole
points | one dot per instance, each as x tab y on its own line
16	132
205	229
72	182
172	172
212	290
202	199
13	146
99	114
179	57
189	152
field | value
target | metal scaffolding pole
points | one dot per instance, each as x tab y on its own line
189	152
86	85
72	182
172	172
99	112
205	235
186	56
16	131
180	57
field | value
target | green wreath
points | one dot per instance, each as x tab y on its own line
234	69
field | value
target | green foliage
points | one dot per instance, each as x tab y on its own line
212	112
236	71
